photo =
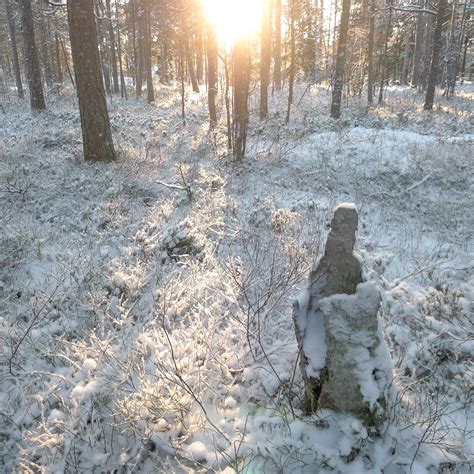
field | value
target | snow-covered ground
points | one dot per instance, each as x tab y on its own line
147	328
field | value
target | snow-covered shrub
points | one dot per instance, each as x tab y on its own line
432	366
183	240
444	303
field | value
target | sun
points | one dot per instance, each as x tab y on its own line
234	19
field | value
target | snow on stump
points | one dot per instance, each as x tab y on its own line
343	357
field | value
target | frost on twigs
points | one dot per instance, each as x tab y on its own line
343	357
182	240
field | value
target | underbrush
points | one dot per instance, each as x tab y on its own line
146	305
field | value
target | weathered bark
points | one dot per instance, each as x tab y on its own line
33	70
212	73
277	45
340	60
266	57
435	56
95	123
14	48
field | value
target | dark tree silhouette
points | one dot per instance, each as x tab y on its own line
340	60
35	83
435	66
95	124
14	48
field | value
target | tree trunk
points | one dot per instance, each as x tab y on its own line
52	53
340	60
435	56
241	75
133	23
66	60
277	45
452	54
147	52
320	53
164	62
212	73
464	42
44	49
291	78
334	32
189	57
417	54
370	54
33	70
384	58
227	102
123	87
103	47
427	50
95	124
199	56
59	72
16	62
113	50
266	57
406	57
464	57
140	56
181	78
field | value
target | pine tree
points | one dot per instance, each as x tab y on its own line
340	60
95	123
35	83
435	66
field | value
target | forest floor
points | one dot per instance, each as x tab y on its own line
146	305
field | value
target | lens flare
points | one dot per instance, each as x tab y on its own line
233	19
